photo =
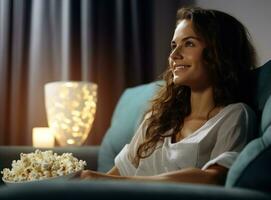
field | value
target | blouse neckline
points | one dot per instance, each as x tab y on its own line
222	111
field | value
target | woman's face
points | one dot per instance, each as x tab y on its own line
185	60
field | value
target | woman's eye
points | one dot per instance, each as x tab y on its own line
189	44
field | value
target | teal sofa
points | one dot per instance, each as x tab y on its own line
248	178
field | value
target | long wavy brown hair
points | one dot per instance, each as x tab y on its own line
229	56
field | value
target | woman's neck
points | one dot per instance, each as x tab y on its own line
202	102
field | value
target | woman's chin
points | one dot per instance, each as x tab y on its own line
177	81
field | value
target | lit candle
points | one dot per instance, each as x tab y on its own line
43	137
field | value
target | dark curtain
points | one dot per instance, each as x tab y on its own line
122	53
114	43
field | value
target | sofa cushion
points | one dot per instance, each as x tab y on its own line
252	168
126	118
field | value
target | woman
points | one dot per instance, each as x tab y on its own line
198	122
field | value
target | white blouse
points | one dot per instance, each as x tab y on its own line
218	141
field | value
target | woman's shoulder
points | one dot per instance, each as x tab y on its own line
240	106
239	109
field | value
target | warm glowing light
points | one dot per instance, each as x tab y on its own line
70	107
43	137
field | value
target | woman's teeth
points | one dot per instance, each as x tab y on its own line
181	66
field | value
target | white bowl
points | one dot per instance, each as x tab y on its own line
56	178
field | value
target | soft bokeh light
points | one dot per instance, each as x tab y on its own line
71	108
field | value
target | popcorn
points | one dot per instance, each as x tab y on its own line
42	165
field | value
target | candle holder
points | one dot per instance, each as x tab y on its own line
70	108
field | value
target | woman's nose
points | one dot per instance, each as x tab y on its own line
176	53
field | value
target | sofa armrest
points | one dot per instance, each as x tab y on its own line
106	189
87	153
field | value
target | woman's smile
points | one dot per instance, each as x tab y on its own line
180	68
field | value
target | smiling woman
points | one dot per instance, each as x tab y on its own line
198	121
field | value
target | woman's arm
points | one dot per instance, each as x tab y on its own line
113	171
215	174
89	174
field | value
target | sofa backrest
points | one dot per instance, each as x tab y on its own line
126	117
261	78
252	168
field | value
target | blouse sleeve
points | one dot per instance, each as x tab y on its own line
124	160
232	137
